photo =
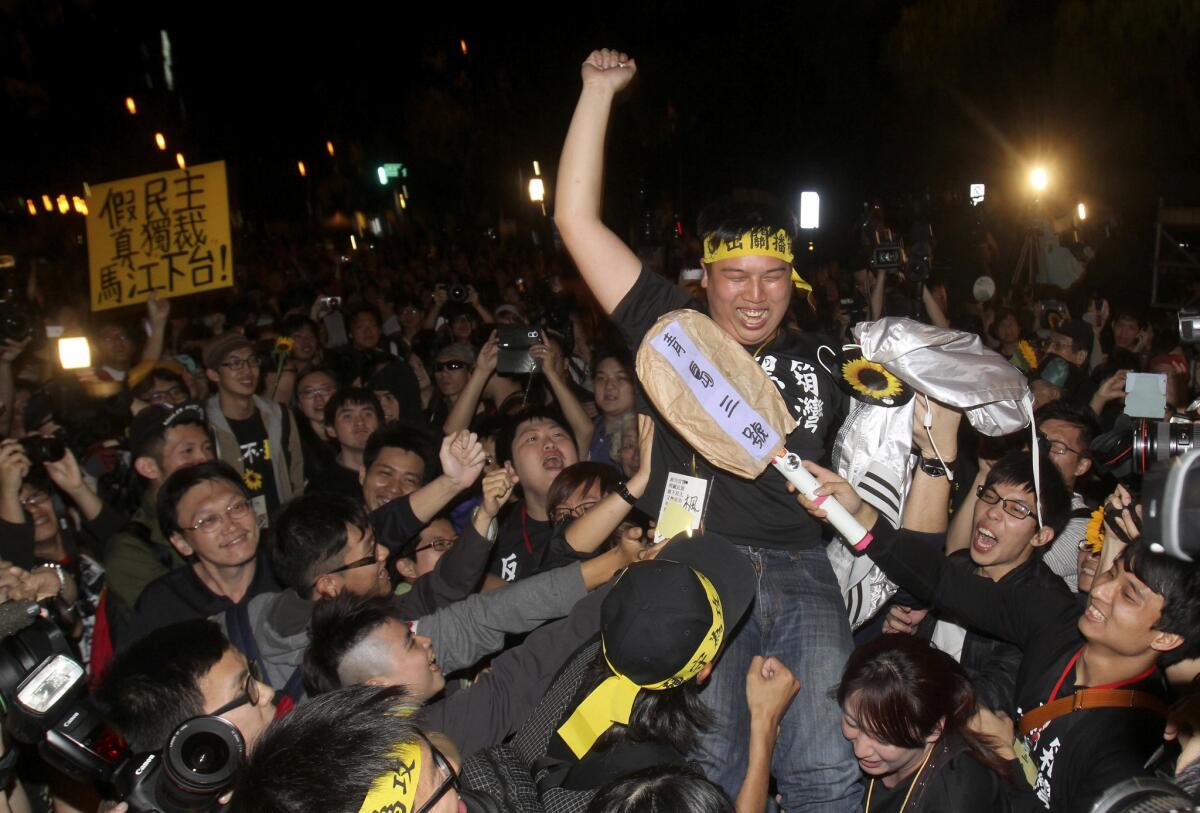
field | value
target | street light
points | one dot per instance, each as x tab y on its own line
179	160
1038	179
1081	210
49	204
131	105
300	166
537	190
31	206
810	210
329	148
160	140
383	176
64	205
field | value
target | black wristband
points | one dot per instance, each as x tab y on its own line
624	494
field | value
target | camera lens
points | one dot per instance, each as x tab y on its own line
458	293
200	762
1159	441
205	753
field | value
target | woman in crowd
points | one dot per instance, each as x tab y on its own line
613	382
909	710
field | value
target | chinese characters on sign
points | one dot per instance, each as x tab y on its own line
167	232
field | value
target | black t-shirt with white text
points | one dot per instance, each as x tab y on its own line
521	543
259	475
759	513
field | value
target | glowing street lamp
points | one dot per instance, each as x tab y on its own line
64	205
1081	211
303	170
537	190
329	148
179	160
131	105
49	204
1038	179
31	206
160	141
810	210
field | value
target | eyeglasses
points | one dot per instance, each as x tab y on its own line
439	545
158	396
308	393
369	559
36	498
250	691
209	525
1057	447
237	363
1014	508
563	514
451	780
442	366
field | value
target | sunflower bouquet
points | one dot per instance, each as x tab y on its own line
280	353
1025	359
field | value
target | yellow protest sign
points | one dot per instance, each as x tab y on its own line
167	232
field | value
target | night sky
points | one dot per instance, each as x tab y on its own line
854	99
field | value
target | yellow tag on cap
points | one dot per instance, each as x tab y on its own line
395	790
612	701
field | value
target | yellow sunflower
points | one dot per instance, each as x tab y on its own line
252	479
284	344
1095	530
871	378
1027	353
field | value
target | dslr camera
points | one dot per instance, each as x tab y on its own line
44	693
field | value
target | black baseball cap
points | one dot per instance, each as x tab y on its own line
152	423
656	615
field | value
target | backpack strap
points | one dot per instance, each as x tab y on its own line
1092	699
241	634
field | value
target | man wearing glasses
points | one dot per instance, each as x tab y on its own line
179	672
204	511
421	558
255	436
1065	432
1005	547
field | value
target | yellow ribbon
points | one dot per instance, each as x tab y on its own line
757	242
395	790
612	701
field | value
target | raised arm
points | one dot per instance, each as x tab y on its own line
553	368
607	264
468	400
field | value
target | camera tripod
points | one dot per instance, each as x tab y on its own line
1028	265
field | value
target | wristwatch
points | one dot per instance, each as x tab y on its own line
934	467
623	492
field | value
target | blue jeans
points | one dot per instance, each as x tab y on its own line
800	618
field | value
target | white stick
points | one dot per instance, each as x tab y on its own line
841	519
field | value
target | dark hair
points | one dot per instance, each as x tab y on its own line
184	480
351	395
338	625
309	531
399	435
295	321
1178	582
533	412
728	219
619	354
152	446
903	686
1079	417
667	788
154	685
1015	469
674	716
160	374
359	308
348	735
581	474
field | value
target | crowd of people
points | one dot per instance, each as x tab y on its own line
394	523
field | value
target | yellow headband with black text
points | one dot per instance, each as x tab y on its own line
757	242
612	701
395	790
